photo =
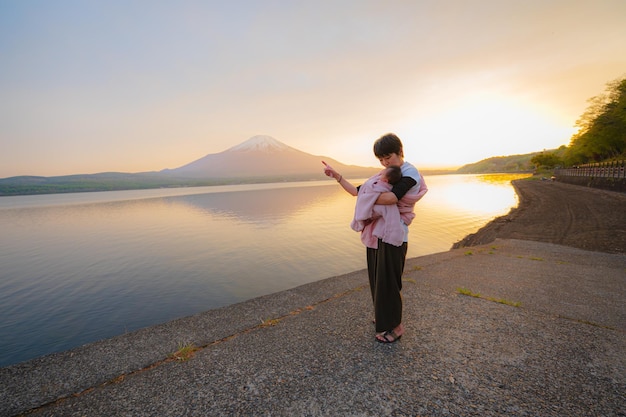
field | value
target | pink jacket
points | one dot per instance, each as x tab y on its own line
385	218
371	232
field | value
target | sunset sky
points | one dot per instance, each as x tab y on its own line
131	86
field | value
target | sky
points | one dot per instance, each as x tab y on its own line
133	86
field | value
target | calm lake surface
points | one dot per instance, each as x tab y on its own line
76	268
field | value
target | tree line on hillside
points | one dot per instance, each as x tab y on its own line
500	164
601	132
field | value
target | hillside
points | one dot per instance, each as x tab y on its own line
499	164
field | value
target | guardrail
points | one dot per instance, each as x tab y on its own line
614	169
605	175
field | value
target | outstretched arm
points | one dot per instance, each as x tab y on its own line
345	184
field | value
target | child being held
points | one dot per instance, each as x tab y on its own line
387	224
391	175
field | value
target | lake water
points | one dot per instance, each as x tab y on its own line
76	268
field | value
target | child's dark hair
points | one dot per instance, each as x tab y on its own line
393	174
388	144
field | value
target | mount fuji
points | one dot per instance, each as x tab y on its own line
259	159
264	156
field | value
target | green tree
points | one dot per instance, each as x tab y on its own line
602	128
548	160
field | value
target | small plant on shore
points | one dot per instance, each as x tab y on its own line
506	302
411	280
469	253
532	258
269	322
465	291
184	352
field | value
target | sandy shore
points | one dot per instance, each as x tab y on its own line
564	214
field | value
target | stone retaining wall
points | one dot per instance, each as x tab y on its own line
611	184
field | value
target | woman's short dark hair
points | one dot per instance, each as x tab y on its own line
388	144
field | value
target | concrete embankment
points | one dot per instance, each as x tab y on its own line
311	350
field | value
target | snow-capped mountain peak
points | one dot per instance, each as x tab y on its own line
263	156
260	143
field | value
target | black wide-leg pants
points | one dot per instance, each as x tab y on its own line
385	266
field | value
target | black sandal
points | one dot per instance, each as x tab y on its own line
385	338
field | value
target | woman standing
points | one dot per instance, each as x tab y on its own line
385	262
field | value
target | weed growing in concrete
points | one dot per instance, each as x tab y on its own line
184	352
465	291
269	322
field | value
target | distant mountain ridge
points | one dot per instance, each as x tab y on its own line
258	159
